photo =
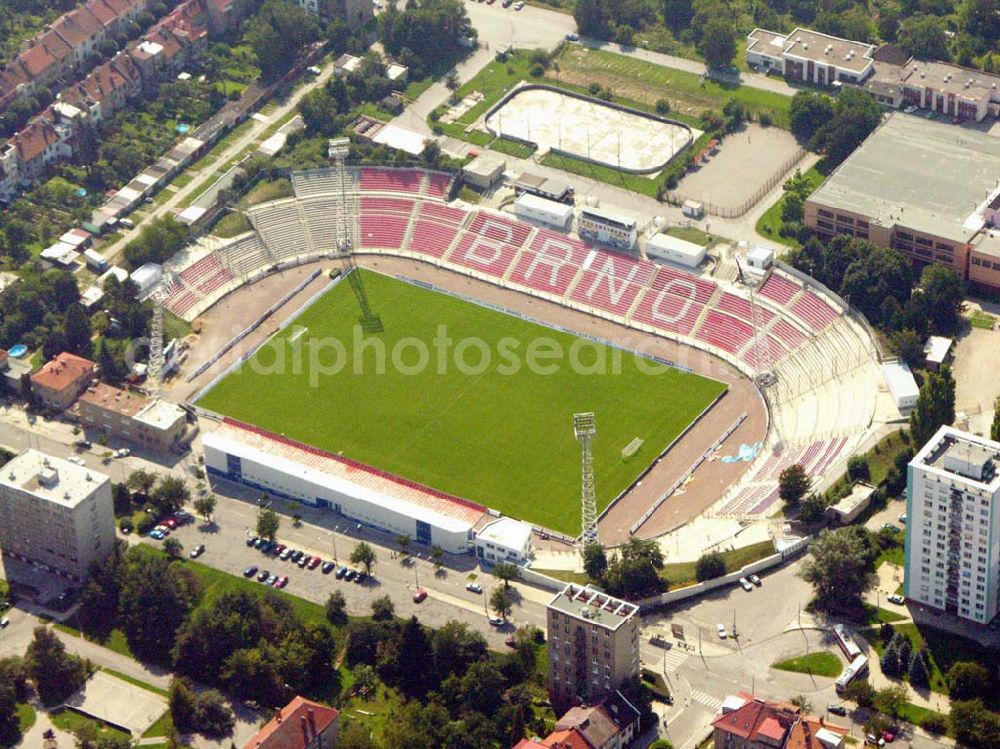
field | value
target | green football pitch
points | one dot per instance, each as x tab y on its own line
484	418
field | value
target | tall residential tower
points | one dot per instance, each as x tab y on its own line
953	525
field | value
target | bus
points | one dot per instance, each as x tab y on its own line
857	669
846	643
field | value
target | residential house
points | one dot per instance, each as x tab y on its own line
60	382
749	723
301	724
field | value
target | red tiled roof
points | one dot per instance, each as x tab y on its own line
594	723
64	371
771	728
34	139
529	744
78	26
37	60
803	733
3	357
571	739
104	12
758	718
56	45
294	726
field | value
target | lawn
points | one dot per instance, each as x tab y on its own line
25	717
682	574
692	234
512	148
160	727
69	720
647	83
982	320
945	649
769	224
495	429
634	182
821	663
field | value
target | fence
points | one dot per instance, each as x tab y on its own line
672	596
678	198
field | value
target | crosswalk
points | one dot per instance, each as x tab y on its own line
659	658
706	699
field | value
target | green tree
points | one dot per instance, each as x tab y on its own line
215	718
595	561
995	426
942	291
855	115
980	19
709	566
812	508
909	346
871	279
975	726
861	692
968	680
840	568
592	18
403	541
808	113
500	602
183	703
918	672
858	468
141	481
383	609
169	495
923	36
154	600
792	208
718	42
56	674
267	523
935	406
336	609
891	700
278	33
76	325
793	483
364	555
634	571
205	506
173	547
506	571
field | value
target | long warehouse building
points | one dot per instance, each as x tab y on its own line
284	468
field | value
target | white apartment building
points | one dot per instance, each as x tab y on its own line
953	525
55	513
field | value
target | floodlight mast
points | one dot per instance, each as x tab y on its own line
584	429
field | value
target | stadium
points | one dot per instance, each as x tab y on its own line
713	442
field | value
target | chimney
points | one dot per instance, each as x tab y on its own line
278	716
312	720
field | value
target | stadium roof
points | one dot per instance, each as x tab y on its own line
346	476
926	175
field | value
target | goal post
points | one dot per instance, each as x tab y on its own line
632	448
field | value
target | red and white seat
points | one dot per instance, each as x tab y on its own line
550	263
432	239
779	289
612	282
816	313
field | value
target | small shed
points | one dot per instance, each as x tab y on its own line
902	386
847	509
937	351
760	258
675	250
484	171
147	276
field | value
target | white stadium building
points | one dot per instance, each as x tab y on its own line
291	470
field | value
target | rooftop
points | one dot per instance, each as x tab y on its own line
507	532
585	602
160	414
50	478
926	175
64	371
806	44
594	723
936	348
956	454
965	83
110	398
346	475
860	493
295	726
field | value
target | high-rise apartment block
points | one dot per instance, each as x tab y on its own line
953	525
55	513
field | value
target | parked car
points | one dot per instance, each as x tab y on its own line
278	549
197	551
891	527
341	571
902	518
297	555
281	582
83	444
157	534
314	563
184	517
518	5
171	523
474	588
837	710
304	560
272	580
263	576
755	580
360	577
496	621
252	541
746	584
250	571
328	567
285	554
873	740
897	599
419	595
572	37
723	634
162	529
349	575
122	452
259	543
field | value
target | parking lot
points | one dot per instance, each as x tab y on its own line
235	520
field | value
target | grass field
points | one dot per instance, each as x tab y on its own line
484	433
821	663
770	223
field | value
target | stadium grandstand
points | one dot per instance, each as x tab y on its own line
825	361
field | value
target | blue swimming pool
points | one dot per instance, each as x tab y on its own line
18	351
